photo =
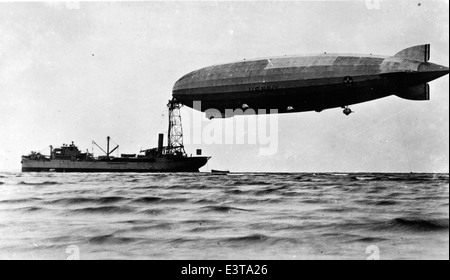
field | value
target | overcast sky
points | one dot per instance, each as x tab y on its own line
84	72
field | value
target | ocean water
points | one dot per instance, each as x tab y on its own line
235	216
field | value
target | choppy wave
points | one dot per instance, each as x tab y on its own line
30	209
370	239
111	239
148	199
102	210
73	200
245	215
38	183
110	199
152	211
222	208
248	238
416	224
18	201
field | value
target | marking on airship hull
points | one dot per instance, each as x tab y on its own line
348	81
263	88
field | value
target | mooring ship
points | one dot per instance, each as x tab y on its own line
170	158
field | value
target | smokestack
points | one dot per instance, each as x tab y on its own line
160	143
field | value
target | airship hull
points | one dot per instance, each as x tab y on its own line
307	83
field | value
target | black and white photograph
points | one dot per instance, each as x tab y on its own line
242	132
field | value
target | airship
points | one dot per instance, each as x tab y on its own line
303	83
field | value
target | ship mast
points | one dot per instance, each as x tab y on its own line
175	133
107	152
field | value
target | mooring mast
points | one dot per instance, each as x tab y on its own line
175	133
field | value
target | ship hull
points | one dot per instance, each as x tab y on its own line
187	164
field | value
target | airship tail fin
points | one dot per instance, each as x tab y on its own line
419	53
420	92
